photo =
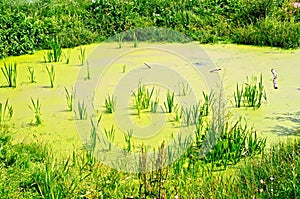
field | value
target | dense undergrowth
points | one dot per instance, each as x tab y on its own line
26	25
31	171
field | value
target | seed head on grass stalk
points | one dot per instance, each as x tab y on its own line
51	74
36	108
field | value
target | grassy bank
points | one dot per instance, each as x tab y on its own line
26	26
31	171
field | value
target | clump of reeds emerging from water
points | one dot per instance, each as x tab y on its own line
10	73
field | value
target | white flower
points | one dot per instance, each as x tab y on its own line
176	197
271	178
261	181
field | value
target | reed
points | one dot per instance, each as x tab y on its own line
128	140
170	103
82	55
31	74
10	73
82	110
36	108
6	112
110	135
110	104
238	95
51	75
70	95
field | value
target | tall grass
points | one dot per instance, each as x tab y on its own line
128	140
254	93
238	95
36	109
51	75
10	73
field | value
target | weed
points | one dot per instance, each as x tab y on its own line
253	93
142	97
36	108
184	88
110	104
93	133
70	95
31	74
55	52
10	73
51	74
67	56
124	68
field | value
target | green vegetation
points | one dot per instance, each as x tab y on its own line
81	55
31	74
36	109
82	110
170	105
252	93
33	25
33	169
6	112
51	74
142	98
110	104
70	95
10	73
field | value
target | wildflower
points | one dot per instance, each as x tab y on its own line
261	181
271	178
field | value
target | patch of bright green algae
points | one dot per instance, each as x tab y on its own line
277	118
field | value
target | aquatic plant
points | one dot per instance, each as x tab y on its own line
82	55
128	140
51	75
10	73
6	112
82	110
254	93
36	108
142	97
110	104
70	95
184	88
170	104
55	52
93	133
124	68
110	135
31	74
238	95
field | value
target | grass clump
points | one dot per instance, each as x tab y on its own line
70	95
82	110
142	97
110	135
170	103
6	112
55	52
251	94
110	104
51	75
10	73
31	74
36	108
82	55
